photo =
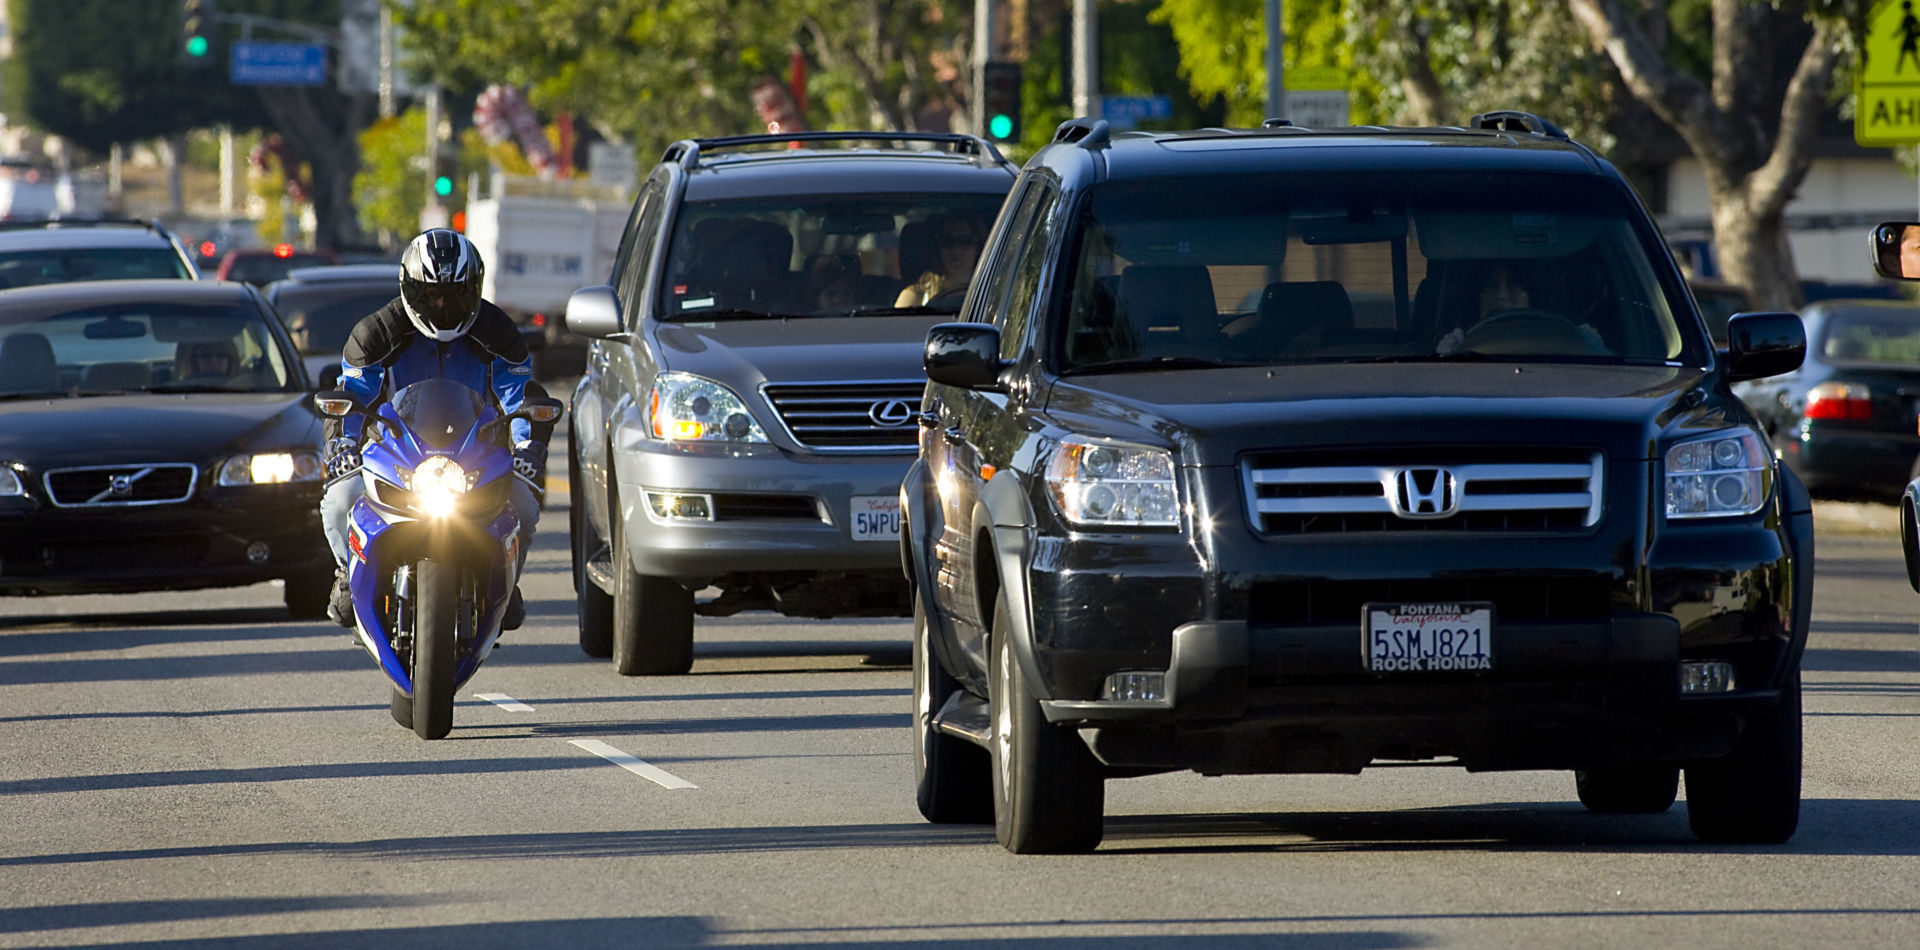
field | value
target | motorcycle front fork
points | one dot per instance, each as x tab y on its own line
402	614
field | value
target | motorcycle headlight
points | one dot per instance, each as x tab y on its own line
1723	475
437	486
271	468
688	408
1113	485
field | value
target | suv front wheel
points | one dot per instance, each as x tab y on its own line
951	775
652	618
1753	795
1048	789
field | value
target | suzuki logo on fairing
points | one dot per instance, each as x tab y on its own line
891	413
1425	493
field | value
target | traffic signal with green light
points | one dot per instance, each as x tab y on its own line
196	31
445	166
1002	99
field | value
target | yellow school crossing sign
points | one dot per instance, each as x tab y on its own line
1887	85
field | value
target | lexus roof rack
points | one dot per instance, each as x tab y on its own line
688	152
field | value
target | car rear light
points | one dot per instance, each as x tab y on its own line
539	320
283	250
1839	401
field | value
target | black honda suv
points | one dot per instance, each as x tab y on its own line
1294	450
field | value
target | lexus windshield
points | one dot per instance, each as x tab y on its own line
824	255
1366	267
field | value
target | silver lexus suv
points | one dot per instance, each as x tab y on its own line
752	392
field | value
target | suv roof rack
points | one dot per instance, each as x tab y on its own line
1510	121
1085	132
688	152
22	224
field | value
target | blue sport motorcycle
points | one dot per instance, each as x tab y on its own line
435	546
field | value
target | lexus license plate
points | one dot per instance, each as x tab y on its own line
1428	638
874	517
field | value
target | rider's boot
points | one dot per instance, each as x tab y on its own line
516	611
340	601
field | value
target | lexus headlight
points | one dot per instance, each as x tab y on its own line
1113	485
1722	475
271	468
437	485
10	484
688	408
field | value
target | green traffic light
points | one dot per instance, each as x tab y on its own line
443	186
197	46
1000	126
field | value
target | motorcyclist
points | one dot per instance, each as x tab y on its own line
438	327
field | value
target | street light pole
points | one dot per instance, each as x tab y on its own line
983	53
1086	59
1276	68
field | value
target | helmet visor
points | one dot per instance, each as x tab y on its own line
441	306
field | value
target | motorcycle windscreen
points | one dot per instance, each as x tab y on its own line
439	411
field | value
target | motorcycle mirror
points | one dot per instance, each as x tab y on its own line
334	403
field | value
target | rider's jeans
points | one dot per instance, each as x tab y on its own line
336	509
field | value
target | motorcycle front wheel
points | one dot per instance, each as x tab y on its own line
435	615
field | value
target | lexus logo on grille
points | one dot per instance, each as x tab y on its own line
1425	493
891	412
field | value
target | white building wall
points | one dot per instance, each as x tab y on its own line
1855	192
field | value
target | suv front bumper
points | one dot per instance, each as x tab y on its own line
768	510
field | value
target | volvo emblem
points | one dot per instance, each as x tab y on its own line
1425	493
120	486
891	413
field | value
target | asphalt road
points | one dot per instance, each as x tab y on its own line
193	770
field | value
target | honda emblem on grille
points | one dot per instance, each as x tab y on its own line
1425	493
891	412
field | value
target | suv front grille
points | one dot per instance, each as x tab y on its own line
106	486
850	417
1502	495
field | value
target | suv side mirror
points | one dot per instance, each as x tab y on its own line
966	355
1764	344
1896	250
594	312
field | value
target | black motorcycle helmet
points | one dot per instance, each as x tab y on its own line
440	275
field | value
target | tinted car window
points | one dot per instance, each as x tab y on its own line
152	347
265	268
1892	337
1364	266
822	255
320	317
29	268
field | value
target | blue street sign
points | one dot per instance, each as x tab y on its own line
279	64
1126	111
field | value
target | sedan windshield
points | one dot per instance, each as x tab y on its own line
1366	267
142	347
825	255
60	265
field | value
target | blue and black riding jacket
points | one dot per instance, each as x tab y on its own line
386	354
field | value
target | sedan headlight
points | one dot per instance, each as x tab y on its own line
271	468
688	408
10	483
1726	474
1113	485
437	486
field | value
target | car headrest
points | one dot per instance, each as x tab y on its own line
26	364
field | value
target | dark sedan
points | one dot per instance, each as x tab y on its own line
320	306
1845	421
156	435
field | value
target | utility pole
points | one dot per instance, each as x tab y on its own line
1086	59
984	49
386	62
1276	68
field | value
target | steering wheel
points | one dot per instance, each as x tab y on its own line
1526	331
953	296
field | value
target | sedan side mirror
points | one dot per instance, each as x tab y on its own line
966	355
1764	344
594	312
1896	250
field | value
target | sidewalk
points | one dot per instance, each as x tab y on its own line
1856	518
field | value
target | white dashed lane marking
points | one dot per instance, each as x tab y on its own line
657	776
504	701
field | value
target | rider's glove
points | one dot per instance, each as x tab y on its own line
343	458
530	461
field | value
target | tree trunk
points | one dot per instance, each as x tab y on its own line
1754	252
323	127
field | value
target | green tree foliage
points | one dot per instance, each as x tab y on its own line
1223	49
649	72
390	189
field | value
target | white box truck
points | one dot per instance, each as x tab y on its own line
542	241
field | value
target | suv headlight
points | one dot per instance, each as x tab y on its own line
688	408
1722	475
270	468
1113	485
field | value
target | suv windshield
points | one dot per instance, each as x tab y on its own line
1373	266
58	266
825	255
